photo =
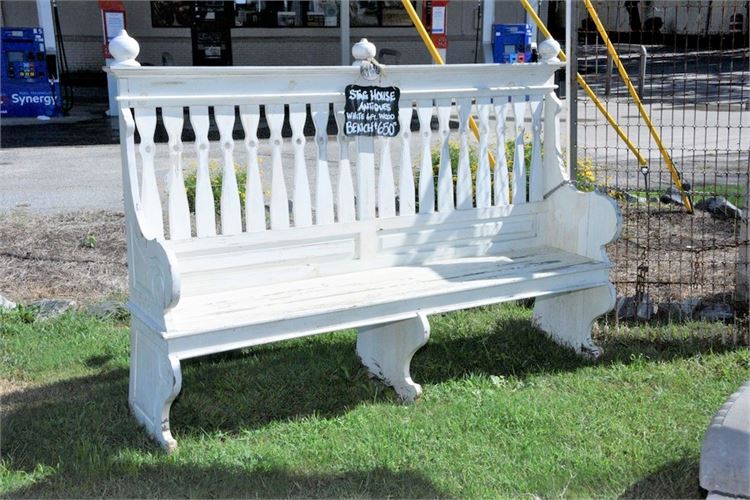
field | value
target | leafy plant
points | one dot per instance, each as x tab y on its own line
455	152
585	175
216	177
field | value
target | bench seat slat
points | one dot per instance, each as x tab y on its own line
392	289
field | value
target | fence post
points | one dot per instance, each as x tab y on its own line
743	255
642	71
608	78
571	86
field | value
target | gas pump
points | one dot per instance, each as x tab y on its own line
29	87
435	16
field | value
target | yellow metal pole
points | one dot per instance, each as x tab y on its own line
589	92
438	60
624	74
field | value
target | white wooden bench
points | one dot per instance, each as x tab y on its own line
346	255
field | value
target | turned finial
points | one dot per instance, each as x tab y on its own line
548	50
124	49
363	50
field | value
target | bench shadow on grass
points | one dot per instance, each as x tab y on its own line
671	478
83	427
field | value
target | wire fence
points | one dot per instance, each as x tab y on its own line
690	63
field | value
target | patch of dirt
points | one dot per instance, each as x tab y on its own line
686	255
78	256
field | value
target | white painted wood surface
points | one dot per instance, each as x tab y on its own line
464	191
255	213
386	350
323	189
445	196
426	176
502	181
484	176
145	120
231	215
279	196
406	190
205	216
519	160
346	208
302	203
179	211
365	263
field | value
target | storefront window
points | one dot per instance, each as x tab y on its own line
378	13
285	13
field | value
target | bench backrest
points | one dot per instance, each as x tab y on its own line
376	208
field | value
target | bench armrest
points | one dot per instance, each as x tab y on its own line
582	222
154	280
153	276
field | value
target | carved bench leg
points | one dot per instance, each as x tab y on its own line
568	318
386	350
155	381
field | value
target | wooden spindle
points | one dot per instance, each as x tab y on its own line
205	216
406	193
346	210
463	180
145	120
445	172
426	177
279	196
323	190
519	161
231	211
502	186
365	178
386	188
484	181
178	209
535	170
302	204
255	212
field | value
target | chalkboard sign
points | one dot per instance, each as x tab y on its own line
371	111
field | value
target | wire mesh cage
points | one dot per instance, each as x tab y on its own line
688	62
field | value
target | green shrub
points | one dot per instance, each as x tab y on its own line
585	176
455	151
215	174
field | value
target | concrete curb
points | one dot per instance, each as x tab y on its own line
725	453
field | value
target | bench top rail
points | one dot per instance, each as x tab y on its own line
275	178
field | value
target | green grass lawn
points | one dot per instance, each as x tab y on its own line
505	412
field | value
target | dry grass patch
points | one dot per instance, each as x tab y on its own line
79	256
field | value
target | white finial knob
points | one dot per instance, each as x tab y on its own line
124	49
548	50
363	50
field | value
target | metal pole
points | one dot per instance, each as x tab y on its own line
345	42
608	78
571	87
642	71
488	18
